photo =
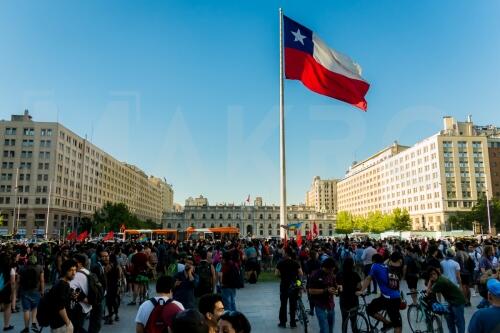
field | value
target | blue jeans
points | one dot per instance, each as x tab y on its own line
30	300
326	319
455	319
229	298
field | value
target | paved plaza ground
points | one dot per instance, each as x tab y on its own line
259	302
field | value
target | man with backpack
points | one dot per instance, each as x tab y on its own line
466	270
80	283
206	276
96	313
156	315
54	307
32	284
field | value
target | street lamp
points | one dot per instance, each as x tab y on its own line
488	207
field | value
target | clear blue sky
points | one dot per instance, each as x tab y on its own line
188	90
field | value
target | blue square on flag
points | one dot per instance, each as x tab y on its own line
297	36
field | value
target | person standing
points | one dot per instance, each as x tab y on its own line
322	288
211	306
80	282
488	320
8	275
289	271
229	279
32	285
143	320
96	313
466	270
367	255
451	268
453	295
61	299
185	283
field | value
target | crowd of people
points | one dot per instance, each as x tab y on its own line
197	282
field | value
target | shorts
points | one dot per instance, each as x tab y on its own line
6	294
466	280
30	300
141	279
391	305
412	282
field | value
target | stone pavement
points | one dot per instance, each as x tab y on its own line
259	302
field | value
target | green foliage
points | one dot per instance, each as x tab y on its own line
478	213
375	222
402	221
111	216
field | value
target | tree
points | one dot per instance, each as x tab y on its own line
344	223
111	216
401	220
480	214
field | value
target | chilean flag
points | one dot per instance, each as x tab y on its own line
321	69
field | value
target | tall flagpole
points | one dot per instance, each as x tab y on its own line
283	212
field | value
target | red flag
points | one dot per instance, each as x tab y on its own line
315	230
321	69
308	235
71	235
109	236
299	239
81	237
248	198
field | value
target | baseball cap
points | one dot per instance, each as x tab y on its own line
494	287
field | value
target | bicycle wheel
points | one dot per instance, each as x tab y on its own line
361	323
302	315
435	325
416	319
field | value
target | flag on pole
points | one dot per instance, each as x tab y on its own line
71	235
81	237
109	236
315	230
308	235
299	237
248	199
321	69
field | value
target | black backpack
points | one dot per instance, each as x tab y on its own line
205	285
95	289
28	278
45	311
393	279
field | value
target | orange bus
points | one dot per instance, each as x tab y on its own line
169	235
212	233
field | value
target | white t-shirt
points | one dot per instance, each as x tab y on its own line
450	268
147	307
80	281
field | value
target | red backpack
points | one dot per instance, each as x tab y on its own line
162	315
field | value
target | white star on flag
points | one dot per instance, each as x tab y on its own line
298	36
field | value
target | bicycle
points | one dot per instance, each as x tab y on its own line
301	314
421	317
363	323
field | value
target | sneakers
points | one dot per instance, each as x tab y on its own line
293	325
35	327
8	328
117	318
25	330
282	325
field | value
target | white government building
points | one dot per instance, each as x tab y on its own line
432	179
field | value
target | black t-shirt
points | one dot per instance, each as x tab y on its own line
60	296
289	272
349	284
311	266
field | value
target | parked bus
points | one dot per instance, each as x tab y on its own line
146	235
220	233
